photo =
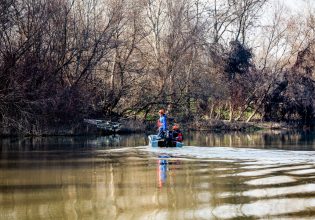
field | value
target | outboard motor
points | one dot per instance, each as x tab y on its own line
169	139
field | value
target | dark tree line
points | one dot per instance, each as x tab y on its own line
65	60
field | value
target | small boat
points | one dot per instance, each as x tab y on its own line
154	141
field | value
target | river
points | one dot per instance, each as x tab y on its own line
217	176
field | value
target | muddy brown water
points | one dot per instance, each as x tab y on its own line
218	176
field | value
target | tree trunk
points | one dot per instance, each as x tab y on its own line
231	111
252	115
211	110
112	75
218	116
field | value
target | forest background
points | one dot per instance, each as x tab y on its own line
65	60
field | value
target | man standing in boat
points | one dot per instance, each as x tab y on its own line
162	124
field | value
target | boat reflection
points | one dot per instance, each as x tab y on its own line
166	165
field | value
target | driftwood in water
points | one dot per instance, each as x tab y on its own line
104	125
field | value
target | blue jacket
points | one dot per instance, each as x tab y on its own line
163	121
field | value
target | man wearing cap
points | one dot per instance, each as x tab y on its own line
162	123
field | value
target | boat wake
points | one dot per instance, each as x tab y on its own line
227	182
247	155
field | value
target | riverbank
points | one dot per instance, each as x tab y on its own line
224	125
80	128
128	126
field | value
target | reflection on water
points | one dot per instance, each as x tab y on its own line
162	169
71	142
276	139
89	179
166	166
267	140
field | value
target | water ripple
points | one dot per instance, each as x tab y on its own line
264	208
